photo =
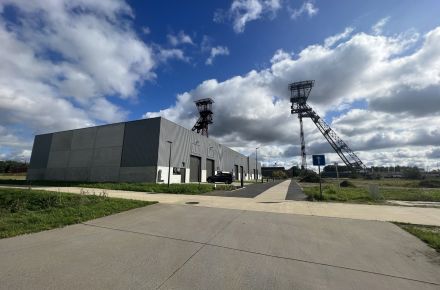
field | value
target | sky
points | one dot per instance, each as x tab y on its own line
67	64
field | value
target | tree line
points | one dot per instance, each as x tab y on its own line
11	166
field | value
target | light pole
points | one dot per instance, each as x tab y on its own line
337	174
169	164
256	163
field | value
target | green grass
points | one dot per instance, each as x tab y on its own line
332	193
360	193
411	194
25	211
143	187
428	234
18	176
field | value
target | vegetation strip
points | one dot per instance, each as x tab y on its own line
373	191
23	211
142	187
429	234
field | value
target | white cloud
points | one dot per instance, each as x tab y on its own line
306	8
164	55
379	70
60	59
332	40
216	51
280	55
243	11
180	38
378	27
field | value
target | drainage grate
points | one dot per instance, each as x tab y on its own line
192	202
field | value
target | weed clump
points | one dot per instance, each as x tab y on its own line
347	183
431	183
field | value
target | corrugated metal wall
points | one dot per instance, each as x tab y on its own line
186	143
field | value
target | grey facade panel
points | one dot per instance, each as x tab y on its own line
80	158
77	174
136	174
58	159
35	174
55	174
110	135
252	165
84	138
104	173
61	141
141	143
181	147
107	156
40	151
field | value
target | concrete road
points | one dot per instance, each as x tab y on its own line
295	192
188	247
250	190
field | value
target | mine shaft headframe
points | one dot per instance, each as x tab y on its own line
300	91
204	106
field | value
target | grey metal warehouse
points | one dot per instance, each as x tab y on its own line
135	151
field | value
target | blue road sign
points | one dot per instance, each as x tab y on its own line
318	160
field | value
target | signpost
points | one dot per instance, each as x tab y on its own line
319	160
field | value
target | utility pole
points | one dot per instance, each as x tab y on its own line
256	164
169	164
337	174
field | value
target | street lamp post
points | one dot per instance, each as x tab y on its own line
337	174
169	164
256	163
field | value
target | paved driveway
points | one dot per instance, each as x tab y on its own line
250	190
188	247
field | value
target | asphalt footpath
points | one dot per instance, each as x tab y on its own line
295	192
250	190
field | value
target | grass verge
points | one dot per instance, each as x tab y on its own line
361	194
332	193
25	211
8	176
142	187
428	234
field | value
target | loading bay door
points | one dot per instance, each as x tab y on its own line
209	167
195	166
236	172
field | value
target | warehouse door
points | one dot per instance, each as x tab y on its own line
195	169
182	175
209	167
236	172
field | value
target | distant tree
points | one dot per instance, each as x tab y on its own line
412	173
10	166
279	174
296	171
309	176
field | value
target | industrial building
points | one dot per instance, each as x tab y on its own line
135	151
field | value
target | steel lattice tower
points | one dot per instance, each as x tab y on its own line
299	92
204	106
